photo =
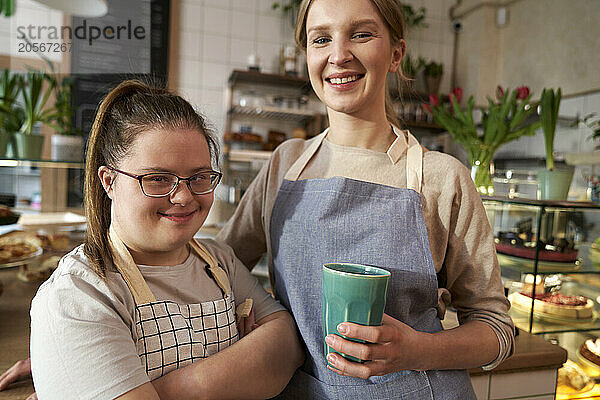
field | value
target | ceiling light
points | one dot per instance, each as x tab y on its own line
80	8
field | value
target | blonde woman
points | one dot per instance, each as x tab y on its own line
364	191
141	309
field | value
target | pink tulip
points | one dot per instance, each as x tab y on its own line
458	92
434	100
522	92
426	106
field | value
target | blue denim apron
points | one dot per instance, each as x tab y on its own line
316	221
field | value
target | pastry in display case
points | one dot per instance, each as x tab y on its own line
17	246
572	380
589	357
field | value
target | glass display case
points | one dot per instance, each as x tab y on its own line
549	255
41	185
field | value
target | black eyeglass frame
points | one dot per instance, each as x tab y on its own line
139	178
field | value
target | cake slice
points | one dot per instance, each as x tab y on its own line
555	304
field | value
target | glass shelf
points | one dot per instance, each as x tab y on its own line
268	112
549	205
521	321
587	265
12	162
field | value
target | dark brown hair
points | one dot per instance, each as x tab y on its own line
129	110
390	12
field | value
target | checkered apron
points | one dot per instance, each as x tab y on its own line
172	335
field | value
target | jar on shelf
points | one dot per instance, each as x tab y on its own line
248	98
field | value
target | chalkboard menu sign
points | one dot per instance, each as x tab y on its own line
131	41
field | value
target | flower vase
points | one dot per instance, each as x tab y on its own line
554	184
480	173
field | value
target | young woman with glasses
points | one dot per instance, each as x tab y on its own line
365	191
142	309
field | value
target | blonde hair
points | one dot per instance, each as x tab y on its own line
390	12
129	110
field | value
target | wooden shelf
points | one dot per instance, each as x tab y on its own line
424	125
248	155
241	76
416	97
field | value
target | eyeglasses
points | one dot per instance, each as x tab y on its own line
161	184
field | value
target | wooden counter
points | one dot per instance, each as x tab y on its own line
14	328
532	352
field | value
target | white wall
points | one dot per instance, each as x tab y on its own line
27	13
436	42
216	37
545	43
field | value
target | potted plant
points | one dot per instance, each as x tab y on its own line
9	88
433	76
67	142
36	88
410	69
505	119
414	18
553	183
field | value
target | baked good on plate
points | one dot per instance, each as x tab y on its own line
18	245
555	304
572	375
590	350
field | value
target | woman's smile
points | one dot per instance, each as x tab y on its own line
179	217
345	81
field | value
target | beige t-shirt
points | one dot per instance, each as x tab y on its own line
83	337
460	236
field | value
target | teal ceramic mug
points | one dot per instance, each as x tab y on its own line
352	293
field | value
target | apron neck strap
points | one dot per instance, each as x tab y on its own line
414	164
296	169
138	287
217	272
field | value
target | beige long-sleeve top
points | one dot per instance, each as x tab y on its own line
460	236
